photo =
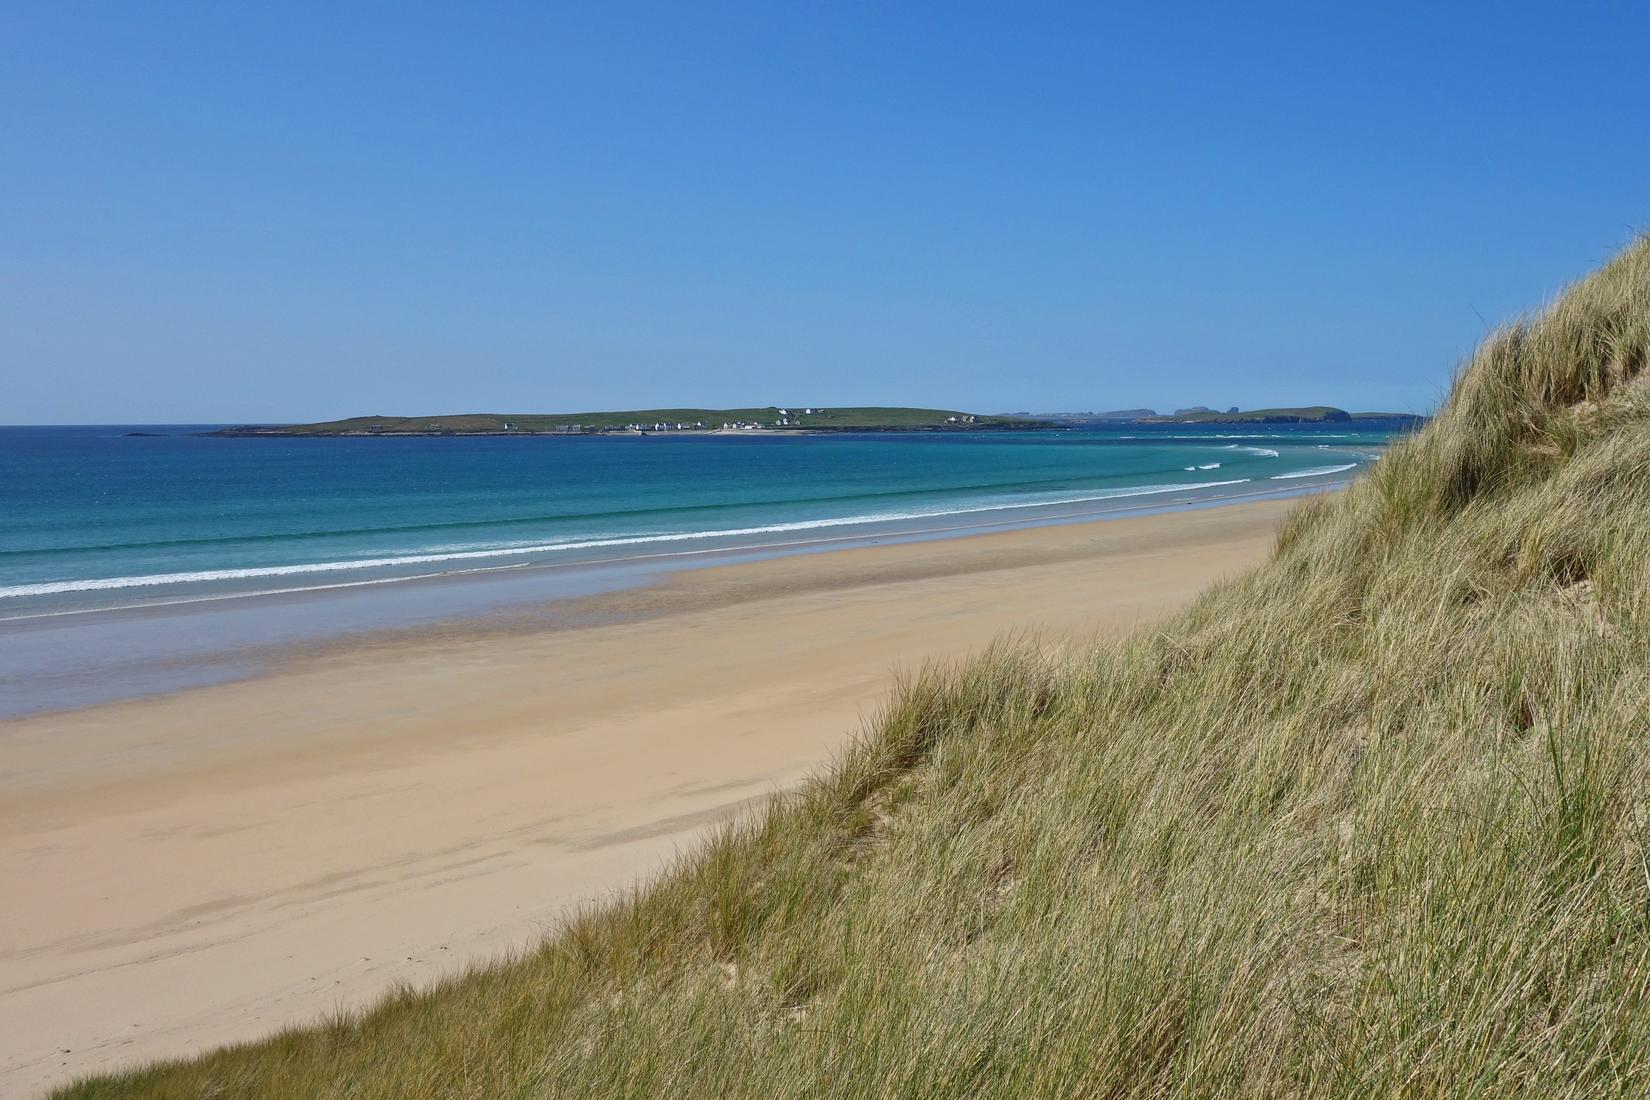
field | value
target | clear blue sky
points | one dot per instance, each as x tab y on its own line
209	213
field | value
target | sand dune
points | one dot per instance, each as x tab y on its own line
208	866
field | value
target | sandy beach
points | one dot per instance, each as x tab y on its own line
208	866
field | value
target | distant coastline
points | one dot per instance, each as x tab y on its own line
775	419
1307	414
771	419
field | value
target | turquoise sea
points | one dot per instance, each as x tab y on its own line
102	531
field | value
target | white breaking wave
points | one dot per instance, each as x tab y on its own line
97	584
1210	466
1314	472
1235	435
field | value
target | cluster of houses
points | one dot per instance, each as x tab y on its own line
785	418
788	419
559	429
960	419
665	426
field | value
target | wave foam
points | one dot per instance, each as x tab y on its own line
1314	472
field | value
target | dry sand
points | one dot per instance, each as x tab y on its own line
207	866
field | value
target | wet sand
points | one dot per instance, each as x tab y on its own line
207	866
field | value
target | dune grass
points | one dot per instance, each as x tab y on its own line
1370	820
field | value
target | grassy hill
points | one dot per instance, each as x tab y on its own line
866	418
1372	820
1306	414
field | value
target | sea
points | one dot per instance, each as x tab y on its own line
138	559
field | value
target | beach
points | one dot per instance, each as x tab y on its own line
209	865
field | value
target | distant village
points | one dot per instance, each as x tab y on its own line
763	420
783	418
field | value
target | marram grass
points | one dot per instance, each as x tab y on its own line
1372	820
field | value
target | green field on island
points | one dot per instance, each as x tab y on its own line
1309	414
772	417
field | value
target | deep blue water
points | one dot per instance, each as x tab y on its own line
93	517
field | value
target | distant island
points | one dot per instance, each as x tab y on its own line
1310	414
1201	414
772	418
776	418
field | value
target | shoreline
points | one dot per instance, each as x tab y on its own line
210	865
70	658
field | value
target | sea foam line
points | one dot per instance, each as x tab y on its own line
1314	472
98	584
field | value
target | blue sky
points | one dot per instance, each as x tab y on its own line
210	213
